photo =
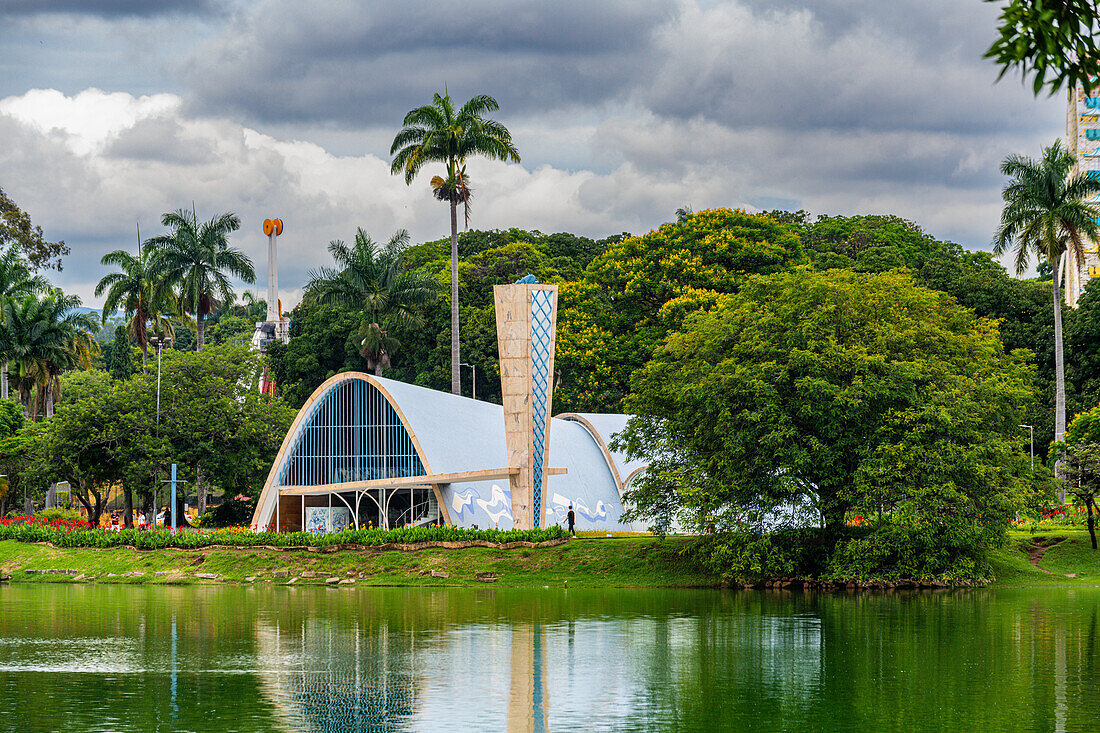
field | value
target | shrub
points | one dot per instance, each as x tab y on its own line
234	511
922	552
79	534
68	515
919	549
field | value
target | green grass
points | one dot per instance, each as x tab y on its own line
1074	555
621	562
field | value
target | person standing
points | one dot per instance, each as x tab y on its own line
141	520
571	518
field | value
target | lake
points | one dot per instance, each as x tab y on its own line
205	658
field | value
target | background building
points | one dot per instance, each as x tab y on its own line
1083	139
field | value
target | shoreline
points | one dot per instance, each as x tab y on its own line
624	562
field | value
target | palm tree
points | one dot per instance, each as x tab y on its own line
373	280
146	298
195	258
436	133
1045	214
16	279
41	339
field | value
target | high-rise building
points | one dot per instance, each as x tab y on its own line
1083	140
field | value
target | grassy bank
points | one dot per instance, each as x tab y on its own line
619	562
1067	557
583	562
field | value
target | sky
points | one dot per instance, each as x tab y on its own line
113	112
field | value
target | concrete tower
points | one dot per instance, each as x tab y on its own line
1083	140
526	325
274	327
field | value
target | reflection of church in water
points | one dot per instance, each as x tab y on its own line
1083	140
324	679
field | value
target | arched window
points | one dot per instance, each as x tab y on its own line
352	433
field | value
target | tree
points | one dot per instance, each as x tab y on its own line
1082	461
1081	451
374	280
321	345
196	259
1049	37
847	391
119	358
217	423
40	339
145	296
16	229
639	289
16	279
436	133
1046	215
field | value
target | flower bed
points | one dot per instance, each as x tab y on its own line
64	533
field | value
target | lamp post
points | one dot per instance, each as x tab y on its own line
1031	432
158	342
473	378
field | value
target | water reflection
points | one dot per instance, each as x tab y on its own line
137	659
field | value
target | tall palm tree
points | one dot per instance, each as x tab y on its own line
436	133
196	259
1045	215
146	298
374	280
43	338
16	280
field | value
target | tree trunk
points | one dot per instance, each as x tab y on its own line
200	490
200	330
49	402
456	379
4	382
144	357
1092	521
833	511
1059	376
127	508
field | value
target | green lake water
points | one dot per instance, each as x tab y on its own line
132	658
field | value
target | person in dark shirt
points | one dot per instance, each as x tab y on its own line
571	518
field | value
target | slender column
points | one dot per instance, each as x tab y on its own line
272	277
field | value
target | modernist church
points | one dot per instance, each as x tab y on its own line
367	451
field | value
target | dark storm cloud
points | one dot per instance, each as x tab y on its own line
826	65
369	64
108	8
801	65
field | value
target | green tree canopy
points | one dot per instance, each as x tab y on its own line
17	229
197	259
1049	38
375	281
851	391
438	133
611	321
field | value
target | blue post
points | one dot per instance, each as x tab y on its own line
173	497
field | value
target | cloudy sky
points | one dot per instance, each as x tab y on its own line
115	111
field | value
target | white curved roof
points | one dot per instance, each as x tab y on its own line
606	427
456	435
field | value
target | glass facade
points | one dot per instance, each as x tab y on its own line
352	433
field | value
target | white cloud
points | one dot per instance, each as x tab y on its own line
88	166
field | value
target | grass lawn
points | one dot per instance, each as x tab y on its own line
1070	555
618	562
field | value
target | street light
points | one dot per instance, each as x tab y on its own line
1031	431
473	378
158	342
